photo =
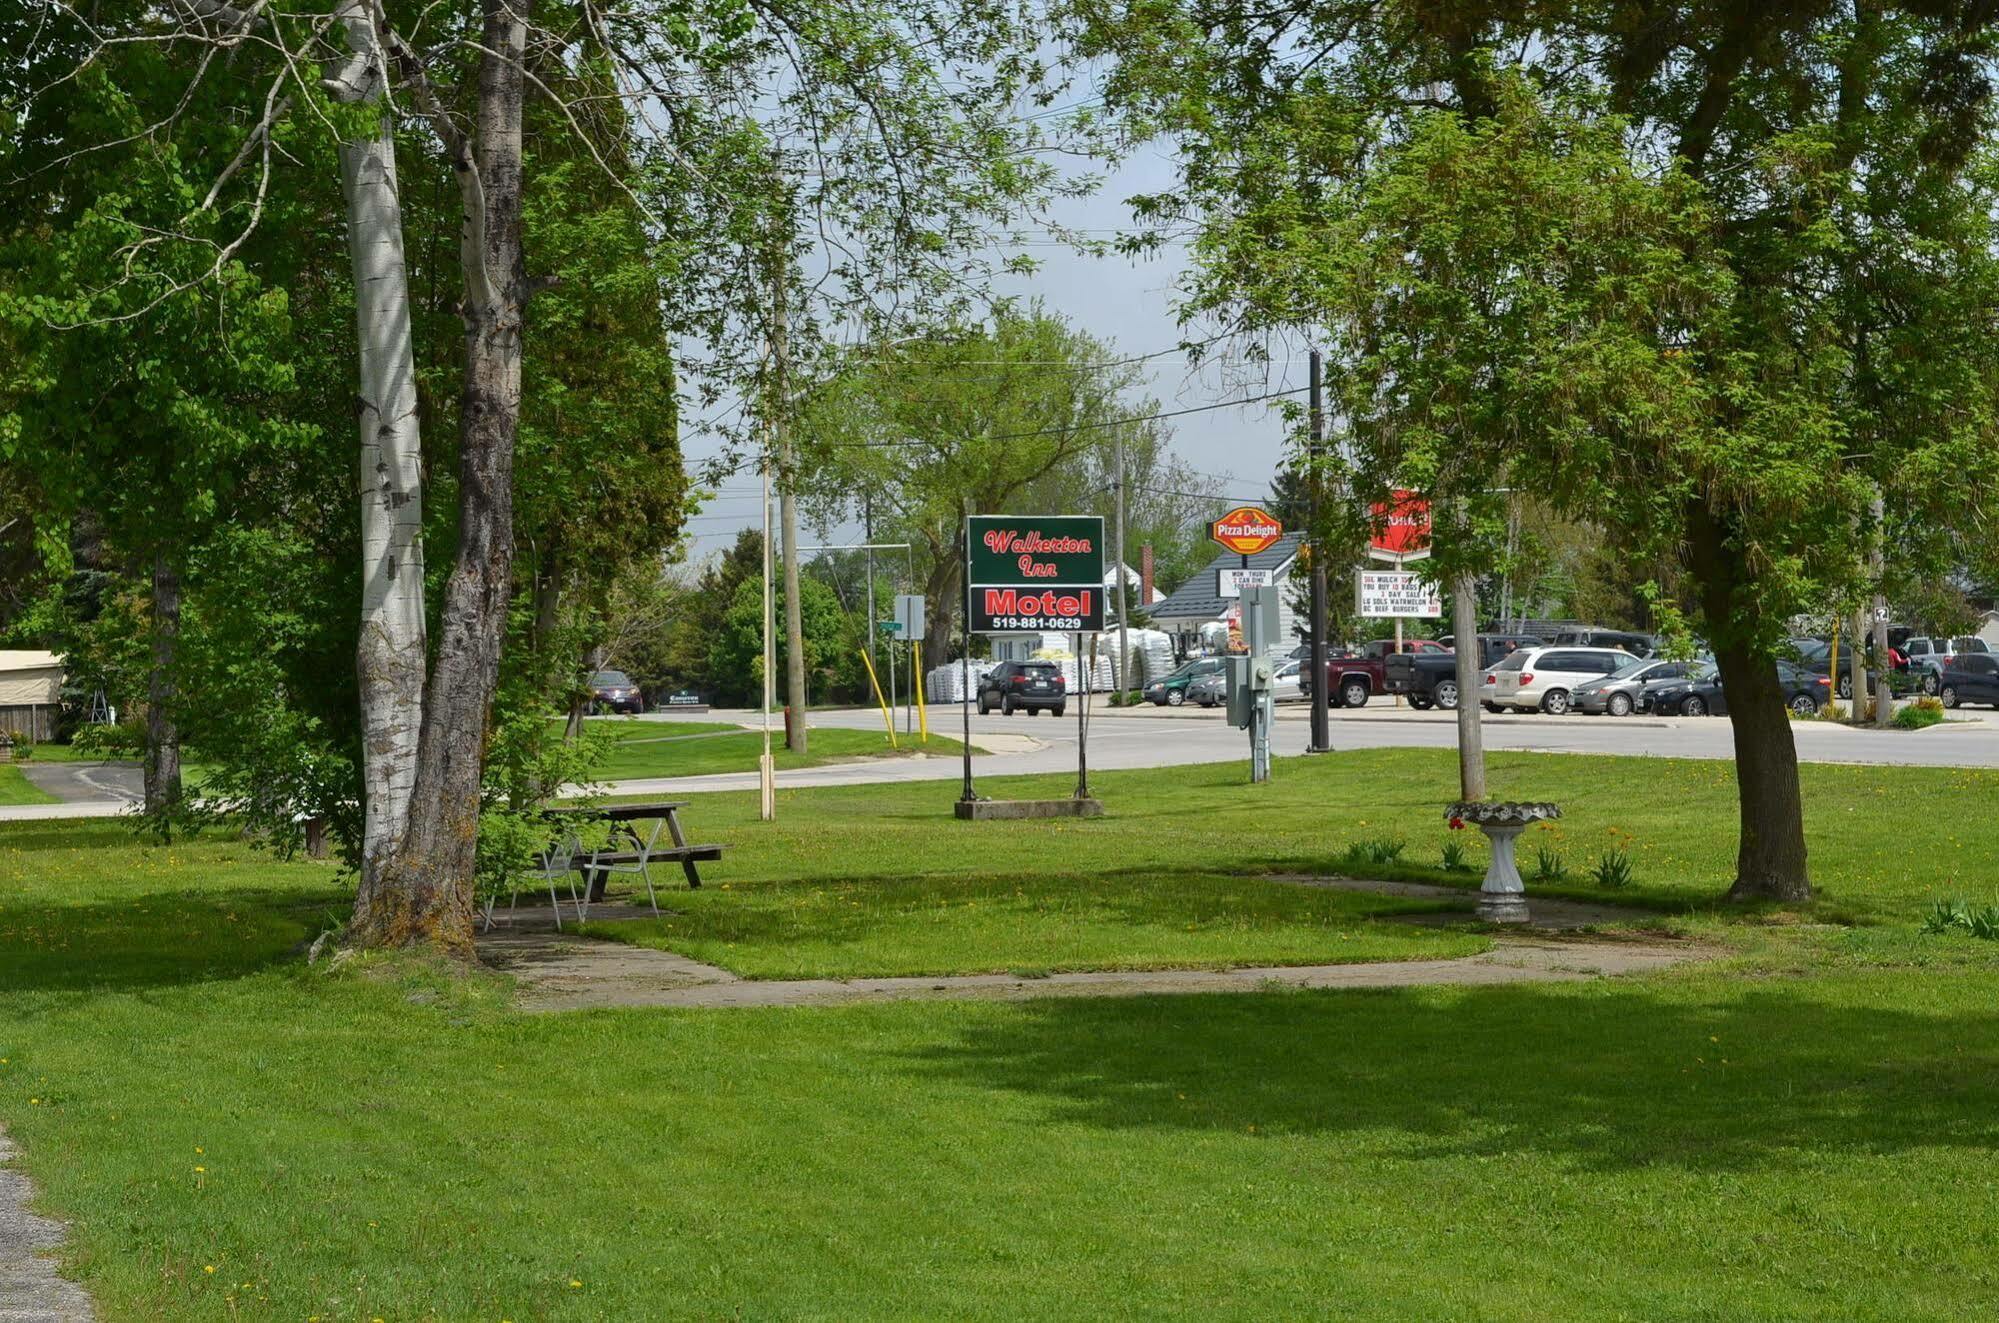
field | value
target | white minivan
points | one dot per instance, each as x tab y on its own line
1543	679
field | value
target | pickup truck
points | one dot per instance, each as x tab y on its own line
1350	679
1430	679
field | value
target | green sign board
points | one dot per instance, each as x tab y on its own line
1034	573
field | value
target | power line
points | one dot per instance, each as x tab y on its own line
1082	427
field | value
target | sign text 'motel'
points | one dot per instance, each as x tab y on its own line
1028	573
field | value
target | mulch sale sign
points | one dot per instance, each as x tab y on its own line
1028	573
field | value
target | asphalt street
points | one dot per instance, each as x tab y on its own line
1165	737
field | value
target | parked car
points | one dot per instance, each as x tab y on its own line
1699	694
1430	679
1380	648
1286	684
1972	677
1638	645
1350	680
1622	691
1209	690
1930	656
1815	655
1544	679
1024	686
613	691
1172	691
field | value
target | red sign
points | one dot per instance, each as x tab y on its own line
1403	527
1246	530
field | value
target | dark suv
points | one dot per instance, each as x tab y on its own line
613	691
1023	685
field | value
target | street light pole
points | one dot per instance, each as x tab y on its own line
1321	691
1123	634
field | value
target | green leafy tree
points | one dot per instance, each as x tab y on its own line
1790	203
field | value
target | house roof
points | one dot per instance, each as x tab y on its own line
1197	599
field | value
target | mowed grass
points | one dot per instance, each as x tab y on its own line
1032	925
16	788
658	748
1802	1130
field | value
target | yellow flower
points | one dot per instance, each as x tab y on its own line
201	1169
208	1267
574	1283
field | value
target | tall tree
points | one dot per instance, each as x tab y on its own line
980	420
1810	180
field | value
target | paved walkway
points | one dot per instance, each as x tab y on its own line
564	972
30	1289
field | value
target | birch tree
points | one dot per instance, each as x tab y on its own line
724	105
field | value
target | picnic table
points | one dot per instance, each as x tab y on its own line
634	848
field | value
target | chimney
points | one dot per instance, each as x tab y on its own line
1145	576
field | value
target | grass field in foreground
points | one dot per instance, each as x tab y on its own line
659	748
18	789
1801	1131
1032	925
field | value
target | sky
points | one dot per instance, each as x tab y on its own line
1128	303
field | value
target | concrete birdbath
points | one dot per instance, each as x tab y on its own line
1503	898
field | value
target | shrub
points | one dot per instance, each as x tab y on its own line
1612	869
1454	858
1380	852
1549	865
1952	916
1923	712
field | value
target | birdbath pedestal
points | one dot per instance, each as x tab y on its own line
1503	898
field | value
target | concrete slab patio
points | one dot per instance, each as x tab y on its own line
562	972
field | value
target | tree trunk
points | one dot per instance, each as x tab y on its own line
425	896
162	732
942	591
1471	735
389	654
1770	855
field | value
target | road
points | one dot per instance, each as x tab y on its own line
1166	737
1160	737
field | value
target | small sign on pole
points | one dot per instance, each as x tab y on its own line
909	615
1385	594
1231	581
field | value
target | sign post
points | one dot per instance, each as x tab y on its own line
1031	574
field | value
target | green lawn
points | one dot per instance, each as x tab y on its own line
18	789
1801	1130
653	748
1032	925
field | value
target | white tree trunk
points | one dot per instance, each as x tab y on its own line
390	656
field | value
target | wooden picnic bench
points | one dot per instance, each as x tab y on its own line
645	847
635	851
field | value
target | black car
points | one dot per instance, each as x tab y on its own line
1700	693
1971	677
613	691
1023	686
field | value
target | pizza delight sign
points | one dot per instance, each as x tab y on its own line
1030	573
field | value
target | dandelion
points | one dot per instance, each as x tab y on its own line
201	1169
208	1268
573	1283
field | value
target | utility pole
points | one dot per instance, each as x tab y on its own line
766	772
1884	698
794	612
868	527
1117	560
1322	731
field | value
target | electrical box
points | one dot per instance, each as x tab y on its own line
1242	699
